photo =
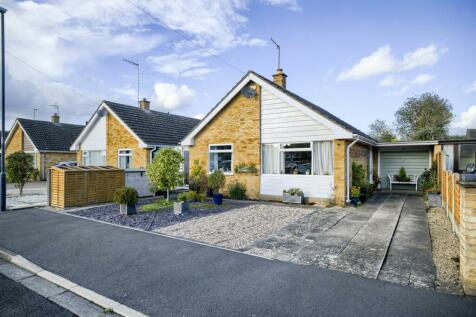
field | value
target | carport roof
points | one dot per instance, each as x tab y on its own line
407	143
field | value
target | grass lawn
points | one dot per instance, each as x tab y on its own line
157	205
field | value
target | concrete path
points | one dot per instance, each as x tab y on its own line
34	195
409	260
366	241
161	276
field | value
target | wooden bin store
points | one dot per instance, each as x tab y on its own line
83	185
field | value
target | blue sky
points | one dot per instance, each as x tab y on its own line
358	59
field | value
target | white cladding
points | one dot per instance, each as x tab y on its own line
315	186
96	137
282	122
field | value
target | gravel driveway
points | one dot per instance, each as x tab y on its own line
238	228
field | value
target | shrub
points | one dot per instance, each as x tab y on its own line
294	191
194	196
237	190
19	169
216	181
402	175
198	180
35	175
428	179
182	197
354	192
358	175
125	195
165	170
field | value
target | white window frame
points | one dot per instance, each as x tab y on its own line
301	149
85	153
311	148
119	154
221	151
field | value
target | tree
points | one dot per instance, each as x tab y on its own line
19	168
165	170
381	131
424	117
198	180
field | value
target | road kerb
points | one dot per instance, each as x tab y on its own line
89	295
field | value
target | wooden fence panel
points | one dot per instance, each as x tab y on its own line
457	199
79	186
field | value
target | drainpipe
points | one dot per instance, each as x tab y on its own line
348	167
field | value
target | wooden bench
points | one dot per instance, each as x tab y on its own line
413	181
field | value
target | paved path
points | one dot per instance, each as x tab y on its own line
409	260
34	195
167	277
387	238
17	300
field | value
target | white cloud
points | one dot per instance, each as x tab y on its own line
422	79
170	96
290	4
127	91
471	88
382	61
390	81
199	116
185	65
466	119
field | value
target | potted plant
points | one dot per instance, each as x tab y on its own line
216	181
354	195
293	196
127	198
182	204
402	175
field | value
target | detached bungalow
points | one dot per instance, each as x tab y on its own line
48	142
292	142
129	137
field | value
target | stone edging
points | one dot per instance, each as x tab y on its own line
87	294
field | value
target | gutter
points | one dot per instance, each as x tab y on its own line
348	168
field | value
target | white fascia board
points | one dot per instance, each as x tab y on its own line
339	132
141	143
407	143
86	130
92	122
10	134
188	140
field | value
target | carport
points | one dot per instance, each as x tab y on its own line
415	157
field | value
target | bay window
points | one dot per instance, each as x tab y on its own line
220	157
310	158
125	158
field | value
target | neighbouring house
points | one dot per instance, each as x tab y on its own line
48	142
293	143
129	137
460	155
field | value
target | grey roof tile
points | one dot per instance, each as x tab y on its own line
154	127
49	136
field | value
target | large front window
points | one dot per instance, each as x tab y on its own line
220	158
94	158
125	158
298	158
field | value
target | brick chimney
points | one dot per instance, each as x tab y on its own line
280	78
55	118
144	104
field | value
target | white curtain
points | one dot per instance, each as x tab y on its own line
322	156
270	158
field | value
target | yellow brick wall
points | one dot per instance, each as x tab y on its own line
239	124
50	159
118	137
16	142
339	172
360	154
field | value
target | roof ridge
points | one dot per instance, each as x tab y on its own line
45	121
151	110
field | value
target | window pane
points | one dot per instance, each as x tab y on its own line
323	158
297	146
124	162
220	161
271	156
467	156
220	147
297	162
